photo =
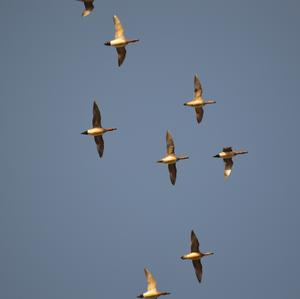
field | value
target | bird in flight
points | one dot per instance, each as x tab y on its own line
227	154
120	41
88	4
198	102
152	292
97	131
195	256
170	159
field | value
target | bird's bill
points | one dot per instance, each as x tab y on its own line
134	40
111	129
107	43
183	158
211	102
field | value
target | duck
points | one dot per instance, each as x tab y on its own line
97	130
195	256
120	41
88	4
152	292
227	154
198	102
170	159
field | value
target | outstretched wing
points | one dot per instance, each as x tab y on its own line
96	116
119	30
228	166
88	5
199	114
100	145
194	242
150	280
197	87
198	269
172	172
170	144
121	55
227	149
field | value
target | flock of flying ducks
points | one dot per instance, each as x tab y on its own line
198	103
195	256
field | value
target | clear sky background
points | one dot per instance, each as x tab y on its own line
74	226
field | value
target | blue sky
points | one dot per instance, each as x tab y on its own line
74	226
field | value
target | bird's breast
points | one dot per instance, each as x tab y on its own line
119	42
169	160
195	103
151	294
192	256
226	155
95	131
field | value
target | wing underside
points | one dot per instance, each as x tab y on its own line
170	144
199	114
198	269
119	30
228	166
172	172
121	55
100	145
151	283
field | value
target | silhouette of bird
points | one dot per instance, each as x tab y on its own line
198	102
97	131
152	292
171	158
227	154
196	255
88	4
120	41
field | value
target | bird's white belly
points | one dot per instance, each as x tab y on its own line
169	160
195	103
192	256
118	43
95	131
150	294
226	155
